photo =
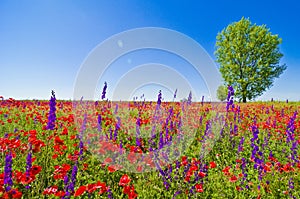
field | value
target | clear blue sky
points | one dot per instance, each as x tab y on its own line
43	43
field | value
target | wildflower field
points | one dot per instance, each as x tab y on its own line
140	149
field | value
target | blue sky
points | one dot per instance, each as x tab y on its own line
44	43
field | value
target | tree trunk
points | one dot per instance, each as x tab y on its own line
244	99
244	92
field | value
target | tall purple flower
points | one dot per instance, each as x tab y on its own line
177	193
73	175
175	94
256	150
230	98
137	132
70	183
66	182
109	195
8	172
117	128
240	148
116	109
28	162
52	114
189	98
99	123
159	98
161	140
121	147
104	90
291	137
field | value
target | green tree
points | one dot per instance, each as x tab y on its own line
249	57
222	92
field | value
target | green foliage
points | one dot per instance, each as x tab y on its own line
222	93
249	57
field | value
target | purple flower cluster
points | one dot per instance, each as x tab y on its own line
230	98
116	109
109	195
291	188
163	174
99	123
202	101
8	172
257	159
117	128
245	175
28	162
52	114
175	94
137	132
291	137
70	183
104	91
189	101
159	98
240	147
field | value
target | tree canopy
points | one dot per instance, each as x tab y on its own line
222	92
249	58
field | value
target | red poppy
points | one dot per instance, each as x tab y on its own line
199	188
201	174
187	177
108	160
126	189
111	168
60	193
54	156
50	190
60	171
27	179
102	186
132	157
65	131
80	191
193	168
124	180
129	190
184	161
287	168
15	193
58	141
233	179
139	168
226	170
212	165
35	169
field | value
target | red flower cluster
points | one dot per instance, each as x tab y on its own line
91	188
127	189
13	193
61	171
199	187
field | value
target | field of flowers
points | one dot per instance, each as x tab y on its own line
139	149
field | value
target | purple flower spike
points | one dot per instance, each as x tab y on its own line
230	98
159	98
52	114
8	172
104	91
28	162
175	94
189	98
